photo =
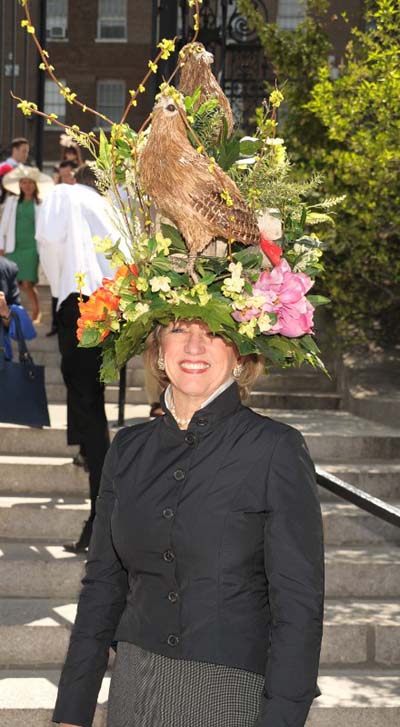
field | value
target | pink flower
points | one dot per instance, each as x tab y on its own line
284	293
246	314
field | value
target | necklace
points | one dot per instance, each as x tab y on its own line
181	422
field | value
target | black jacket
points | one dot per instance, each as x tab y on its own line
207	545
9	282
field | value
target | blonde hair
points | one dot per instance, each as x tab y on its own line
157	380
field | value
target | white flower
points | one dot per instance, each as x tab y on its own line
160	282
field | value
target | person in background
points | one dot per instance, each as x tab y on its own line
19	155
70	152
69	218
17	228
66	172
10	302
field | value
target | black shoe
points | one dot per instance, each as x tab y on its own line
52	332
80	461
81	545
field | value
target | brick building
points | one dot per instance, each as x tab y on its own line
100	49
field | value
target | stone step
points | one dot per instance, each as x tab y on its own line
51	518
34	632
259	399
331	435
363	572
378	478
350	697
53	476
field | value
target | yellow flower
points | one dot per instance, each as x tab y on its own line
102	244
163	243
27	107
226	197
264	322
276	98
167	47
153	66
142	284
141	88
202	293
140	309
80	280
235	283
248	328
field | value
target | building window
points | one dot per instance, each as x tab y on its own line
290	13
110	100
54	103
111	24
57	19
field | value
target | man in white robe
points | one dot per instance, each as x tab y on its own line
69	218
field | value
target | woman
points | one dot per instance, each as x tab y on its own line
10	304
17	228
70	152
206	561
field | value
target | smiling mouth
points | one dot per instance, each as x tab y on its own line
194	367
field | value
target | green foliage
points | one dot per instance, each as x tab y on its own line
361	115
296	57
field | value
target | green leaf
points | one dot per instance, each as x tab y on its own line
90	338
317	300
174	235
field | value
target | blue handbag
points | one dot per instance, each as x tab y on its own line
23	397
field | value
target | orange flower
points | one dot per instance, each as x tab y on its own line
97	308
124	271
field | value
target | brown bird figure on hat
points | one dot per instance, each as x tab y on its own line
196	71
189	188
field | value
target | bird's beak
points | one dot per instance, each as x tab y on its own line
208	57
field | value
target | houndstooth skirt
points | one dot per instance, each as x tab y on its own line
150	690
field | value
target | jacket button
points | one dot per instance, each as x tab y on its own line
172	597
169	555
190	439
173	640
202	422
167	513
179	475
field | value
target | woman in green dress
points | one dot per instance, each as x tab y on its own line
17	230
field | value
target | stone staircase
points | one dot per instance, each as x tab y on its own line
43	502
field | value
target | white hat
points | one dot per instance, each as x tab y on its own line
12	179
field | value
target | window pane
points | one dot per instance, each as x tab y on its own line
290	13
112	19
110	100
57	19
54	103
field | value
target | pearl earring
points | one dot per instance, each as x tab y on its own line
161	362
237	371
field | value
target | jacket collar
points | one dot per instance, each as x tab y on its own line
208	416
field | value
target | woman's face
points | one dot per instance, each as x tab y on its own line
196	361
28	187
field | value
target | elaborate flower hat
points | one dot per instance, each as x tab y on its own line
214	226
11	180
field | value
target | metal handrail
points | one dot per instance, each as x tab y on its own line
358	497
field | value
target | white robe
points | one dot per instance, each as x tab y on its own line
69	218
7	224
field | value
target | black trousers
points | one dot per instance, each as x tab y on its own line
86	417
